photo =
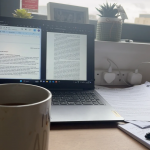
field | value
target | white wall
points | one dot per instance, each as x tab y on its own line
125	55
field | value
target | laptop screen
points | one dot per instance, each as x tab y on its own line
47	53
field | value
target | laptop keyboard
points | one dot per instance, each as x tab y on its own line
75	98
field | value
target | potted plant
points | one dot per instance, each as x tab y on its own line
22	13
109	26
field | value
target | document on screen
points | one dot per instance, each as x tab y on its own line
66	56
20	54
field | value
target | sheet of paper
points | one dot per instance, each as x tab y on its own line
131	103
136	132
141	124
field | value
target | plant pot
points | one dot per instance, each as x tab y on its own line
109	29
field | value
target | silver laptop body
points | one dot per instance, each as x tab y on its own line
80	113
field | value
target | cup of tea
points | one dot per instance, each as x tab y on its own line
24	117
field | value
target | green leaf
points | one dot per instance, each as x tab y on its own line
108	10
22	13
100	11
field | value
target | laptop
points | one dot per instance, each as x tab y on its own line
60	57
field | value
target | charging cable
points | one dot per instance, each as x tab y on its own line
110	61
109	76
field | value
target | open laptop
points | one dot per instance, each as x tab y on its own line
58	56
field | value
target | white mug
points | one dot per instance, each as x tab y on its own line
24	117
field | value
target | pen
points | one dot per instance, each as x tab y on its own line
147	136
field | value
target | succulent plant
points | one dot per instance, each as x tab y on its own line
108	10
22	13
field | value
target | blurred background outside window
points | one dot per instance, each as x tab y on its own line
138	11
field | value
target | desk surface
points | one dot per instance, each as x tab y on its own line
91	136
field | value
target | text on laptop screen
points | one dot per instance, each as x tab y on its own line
47	53
66	56
20	53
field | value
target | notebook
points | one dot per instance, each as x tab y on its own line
137	133
58	56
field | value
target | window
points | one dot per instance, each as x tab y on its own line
19	57
137	10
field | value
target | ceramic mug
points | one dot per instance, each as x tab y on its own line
24	117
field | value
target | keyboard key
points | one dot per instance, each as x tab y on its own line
78	103
63	103
55	100
88	100
87	103
70	98
95	103
100	102
93	100
82	100
86	97
70	103
75	96
96	98
55	95
74	100
81	97
55	103
63	98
